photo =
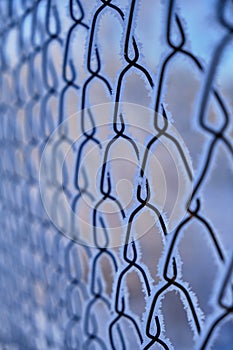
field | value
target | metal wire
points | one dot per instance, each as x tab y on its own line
53	289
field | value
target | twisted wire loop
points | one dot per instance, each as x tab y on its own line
57	290
226	308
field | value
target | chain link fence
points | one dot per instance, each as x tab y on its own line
90	256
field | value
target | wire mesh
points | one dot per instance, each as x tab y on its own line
57	59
